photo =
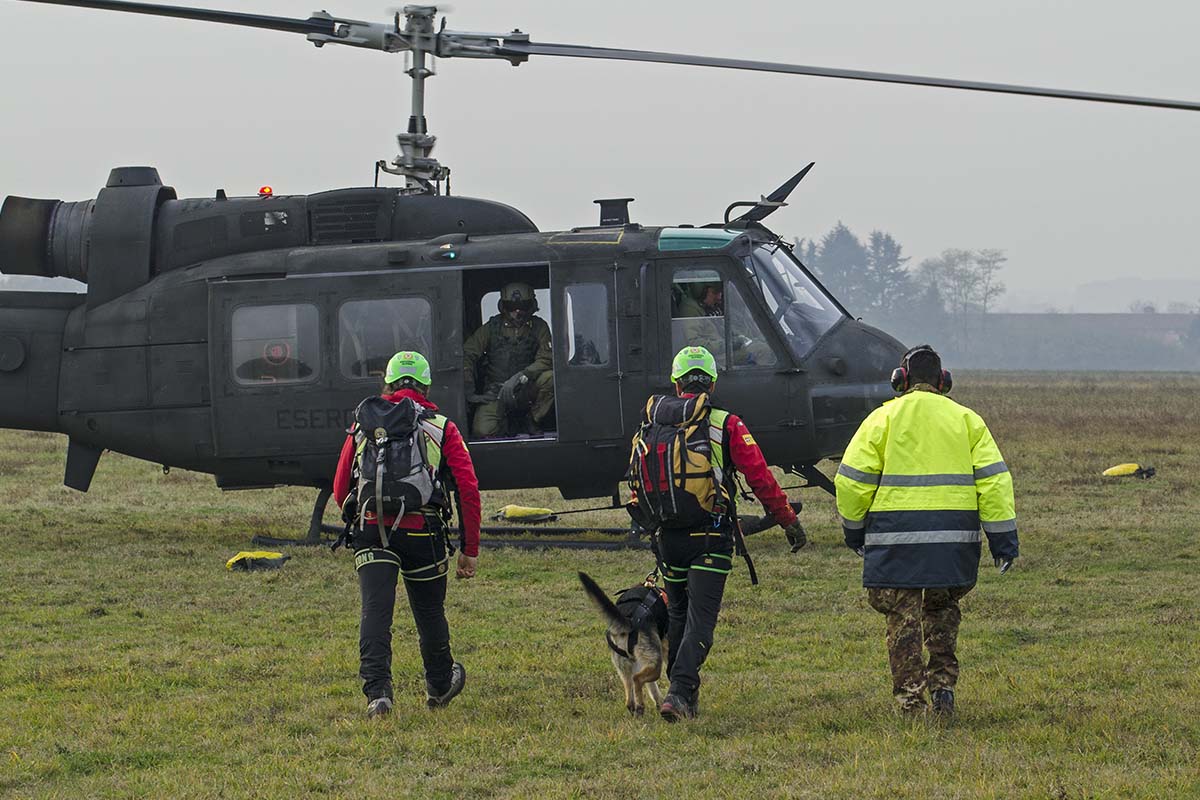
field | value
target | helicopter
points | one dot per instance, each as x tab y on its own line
235	335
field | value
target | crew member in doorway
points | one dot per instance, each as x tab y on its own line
511	355
916	483
404	429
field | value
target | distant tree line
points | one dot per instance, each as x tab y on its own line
949	300
943	296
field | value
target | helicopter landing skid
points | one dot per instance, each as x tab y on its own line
565	544
548	537
493	536
316	528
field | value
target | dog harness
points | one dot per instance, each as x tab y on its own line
641	616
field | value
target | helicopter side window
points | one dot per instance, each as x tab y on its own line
698	311
587	324
370	332
275	344
748	345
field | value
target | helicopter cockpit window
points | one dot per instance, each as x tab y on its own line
587	324
275	344
747	343
370	332
698	311
798	304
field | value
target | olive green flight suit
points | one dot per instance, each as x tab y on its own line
505	349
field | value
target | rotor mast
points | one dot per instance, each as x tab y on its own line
415	160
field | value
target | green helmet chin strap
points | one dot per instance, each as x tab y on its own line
408	364
693	359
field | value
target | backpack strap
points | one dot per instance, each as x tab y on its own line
380	468
739	542
717	453
434	428
726	476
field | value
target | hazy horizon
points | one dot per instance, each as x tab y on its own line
1075	193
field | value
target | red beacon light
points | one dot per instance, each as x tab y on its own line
266	191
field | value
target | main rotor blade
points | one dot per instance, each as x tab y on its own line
579	51
305	26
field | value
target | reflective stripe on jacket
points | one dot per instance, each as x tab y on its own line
916	483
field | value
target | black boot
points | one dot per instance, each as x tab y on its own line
676	707
379	707
458	678
943	702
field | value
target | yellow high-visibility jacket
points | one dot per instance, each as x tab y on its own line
916	483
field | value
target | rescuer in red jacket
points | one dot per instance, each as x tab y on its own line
695	547
415	547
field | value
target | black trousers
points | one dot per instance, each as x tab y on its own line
421	558
695	567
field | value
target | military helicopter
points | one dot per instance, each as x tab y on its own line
234	335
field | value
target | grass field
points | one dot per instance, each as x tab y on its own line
133	664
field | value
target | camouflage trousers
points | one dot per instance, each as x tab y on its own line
490	418
916	616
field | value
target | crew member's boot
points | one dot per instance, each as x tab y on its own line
943	702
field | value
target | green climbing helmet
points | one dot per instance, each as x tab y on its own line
408	364
693	359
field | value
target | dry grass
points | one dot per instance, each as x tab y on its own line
133	664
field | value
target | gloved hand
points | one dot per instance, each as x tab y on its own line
509	388
1004	564
796	536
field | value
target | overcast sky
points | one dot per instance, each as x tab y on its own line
1075	192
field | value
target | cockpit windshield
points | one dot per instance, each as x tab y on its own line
801	308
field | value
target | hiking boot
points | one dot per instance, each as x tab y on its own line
675	708
379	707
458	679
943	702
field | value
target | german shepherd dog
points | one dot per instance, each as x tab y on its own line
637	637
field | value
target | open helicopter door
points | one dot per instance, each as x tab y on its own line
587	358
291	358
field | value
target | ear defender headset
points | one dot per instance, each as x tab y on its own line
900	375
